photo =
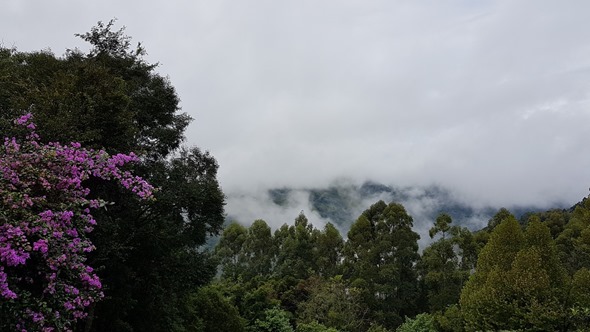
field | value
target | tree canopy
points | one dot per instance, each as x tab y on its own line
110	98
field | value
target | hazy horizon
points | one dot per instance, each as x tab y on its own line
247	206
489	99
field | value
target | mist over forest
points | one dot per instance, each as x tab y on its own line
343	201
309	166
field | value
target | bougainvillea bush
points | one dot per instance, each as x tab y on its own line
45	217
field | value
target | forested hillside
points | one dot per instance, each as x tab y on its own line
104	214
510	275
341	203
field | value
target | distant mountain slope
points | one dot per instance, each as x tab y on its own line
343	203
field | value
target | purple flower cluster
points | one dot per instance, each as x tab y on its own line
44	218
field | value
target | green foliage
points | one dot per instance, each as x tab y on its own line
108	43
497	219
334	304
275	320
581	287
573	242
208	311
314	327
580	310
275	269
421	323
441	225
382	251
295	250
252	298
519	282
443	279
150	253
377	328
469	245
111	98
259	250
447	263
504	244
481	304
112	101
555	220
451	320
229	251
327	251
516	279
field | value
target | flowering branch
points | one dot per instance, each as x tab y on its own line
45	216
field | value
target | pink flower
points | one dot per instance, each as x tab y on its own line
24	119
40	245
57	173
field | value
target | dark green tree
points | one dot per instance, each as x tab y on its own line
314	327
334	304
112	98
519	283
229	251
328	251
420	323
500	216
247	257
442	276
252	298
259	251
451	320
149	254
275	320
580	293
442	225
468	245
295	262
109	98
380	257
295	249
207	310
554	219
481	306
573	242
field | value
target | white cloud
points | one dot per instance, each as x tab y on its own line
247	207
489	98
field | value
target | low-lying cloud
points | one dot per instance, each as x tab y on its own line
490	99
343	202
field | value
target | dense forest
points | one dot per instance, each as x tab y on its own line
106	230
511	275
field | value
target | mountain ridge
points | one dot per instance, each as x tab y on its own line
343	203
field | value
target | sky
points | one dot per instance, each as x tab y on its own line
490	99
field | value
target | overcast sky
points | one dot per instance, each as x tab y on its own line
488	98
